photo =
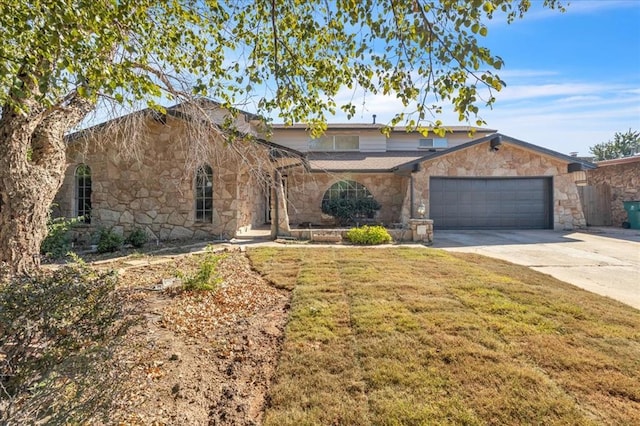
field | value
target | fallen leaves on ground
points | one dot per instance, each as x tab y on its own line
203	357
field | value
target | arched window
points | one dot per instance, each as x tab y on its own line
83	192
348	201
346	190
204	194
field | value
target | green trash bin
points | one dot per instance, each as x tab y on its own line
633	214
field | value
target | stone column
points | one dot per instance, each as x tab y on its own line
422	230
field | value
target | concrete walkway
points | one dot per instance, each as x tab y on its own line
605	261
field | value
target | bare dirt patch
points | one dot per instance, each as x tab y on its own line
202	357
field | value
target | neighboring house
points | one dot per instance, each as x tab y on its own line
612	183
471	178
477	180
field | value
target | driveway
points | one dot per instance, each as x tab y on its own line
605	261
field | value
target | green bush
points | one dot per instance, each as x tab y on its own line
58	333
57	243
347	210
109	241
138	238
206	278
368	235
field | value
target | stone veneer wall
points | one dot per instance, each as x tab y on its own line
624	182
157	192
306	190
510	160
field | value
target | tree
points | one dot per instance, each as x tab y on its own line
622	145
58	59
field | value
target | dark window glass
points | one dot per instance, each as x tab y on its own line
204	194
346	189
83	192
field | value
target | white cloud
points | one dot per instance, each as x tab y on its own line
535	91
524	73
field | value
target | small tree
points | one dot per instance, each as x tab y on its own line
622	145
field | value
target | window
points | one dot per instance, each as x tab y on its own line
349	201
83	192
346	189
335	143
204	194
433	143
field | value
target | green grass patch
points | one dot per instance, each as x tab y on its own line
420	336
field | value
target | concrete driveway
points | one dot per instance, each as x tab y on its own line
605	261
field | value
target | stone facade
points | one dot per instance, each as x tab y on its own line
156	190
623	178
305	192
511	160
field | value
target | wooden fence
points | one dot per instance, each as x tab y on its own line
596	204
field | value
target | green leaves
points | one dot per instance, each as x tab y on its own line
623	145
292	58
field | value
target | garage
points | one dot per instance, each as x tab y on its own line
491	203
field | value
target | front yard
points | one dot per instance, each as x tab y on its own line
323	336
419	336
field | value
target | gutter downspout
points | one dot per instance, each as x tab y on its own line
416	168
411	194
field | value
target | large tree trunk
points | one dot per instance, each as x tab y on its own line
32	164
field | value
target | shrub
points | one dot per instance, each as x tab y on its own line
138	238
368	235
206	278
57	243
58	332
346	210
109	241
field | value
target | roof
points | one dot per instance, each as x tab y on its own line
172	111
392	161
277	151
583	165
377	126
361	161
616	161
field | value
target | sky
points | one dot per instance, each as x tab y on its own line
573	78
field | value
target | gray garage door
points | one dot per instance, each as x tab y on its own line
490	203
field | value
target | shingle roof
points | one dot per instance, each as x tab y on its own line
362	161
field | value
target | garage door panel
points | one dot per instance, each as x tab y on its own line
491	203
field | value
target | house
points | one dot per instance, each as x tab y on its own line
187	177
470	178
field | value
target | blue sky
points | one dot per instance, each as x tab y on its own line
573	78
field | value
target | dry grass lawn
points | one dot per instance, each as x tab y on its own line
420	336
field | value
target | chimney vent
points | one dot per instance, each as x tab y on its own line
374	119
